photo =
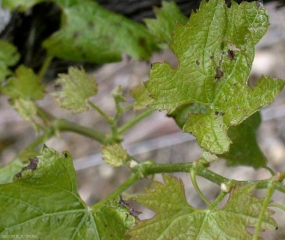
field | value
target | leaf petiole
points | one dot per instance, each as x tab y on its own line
45	67
258	228
134	121
104	115
194	182
129	182
217	200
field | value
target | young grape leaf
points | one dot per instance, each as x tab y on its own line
215	50
141	95
91	33
9	56
25	85
27	109
176	219
167	17
244	149
19	4
77	88
115	155
43	200
118	94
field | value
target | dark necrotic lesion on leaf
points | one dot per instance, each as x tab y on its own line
32	166
231	55
126	205
219	72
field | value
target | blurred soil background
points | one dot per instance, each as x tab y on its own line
157	137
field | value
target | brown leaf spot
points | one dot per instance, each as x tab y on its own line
219	73
231	55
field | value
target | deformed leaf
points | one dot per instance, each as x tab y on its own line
176	219
167	18
115	155
141	95
91	33
208	76
20	5
9	56
77	87
43	201
25	85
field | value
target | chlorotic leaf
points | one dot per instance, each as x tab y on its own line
43	201
25	85
167	18
27	109
19	4
77	87
215	50
176	219
115	155
92	33
245	149
141	95
9	56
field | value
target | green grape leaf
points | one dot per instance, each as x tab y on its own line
176	219
20	5
91	33
215	50
8	172
9	56
114	155
25	85
77	88
244	149
43	201
167	17
141	95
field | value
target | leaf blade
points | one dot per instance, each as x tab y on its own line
185	222
77	88
53	180
215	50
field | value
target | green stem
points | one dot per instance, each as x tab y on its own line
122	188
270	191
110	120
134	121
64	125
207	174
151	169
45	67
194	182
